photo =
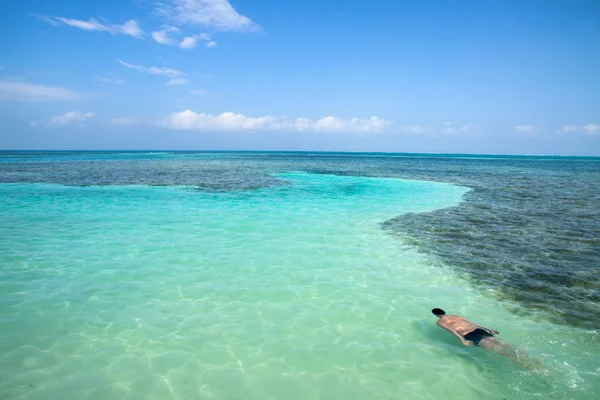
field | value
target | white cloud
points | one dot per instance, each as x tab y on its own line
122	121
111	80
68	117
592	128
168	36
525	128
189	120
178	81
130	27
218	14
569	128
163	36
202	93
333	124
168	72
190	42
22	91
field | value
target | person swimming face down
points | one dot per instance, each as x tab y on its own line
472	334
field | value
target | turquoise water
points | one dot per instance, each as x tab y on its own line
249	286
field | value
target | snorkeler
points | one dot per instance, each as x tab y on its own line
472	334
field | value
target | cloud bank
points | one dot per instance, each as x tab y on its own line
229	121
64	119
70	116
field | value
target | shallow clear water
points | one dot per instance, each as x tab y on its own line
198	276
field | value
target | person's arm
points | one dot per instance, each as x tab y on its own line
467	343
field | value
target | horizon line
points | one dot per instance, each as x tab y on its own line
296	151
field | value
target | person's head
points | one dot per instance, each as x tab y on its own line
438	312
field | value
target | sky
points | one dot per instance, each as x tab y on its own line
496	77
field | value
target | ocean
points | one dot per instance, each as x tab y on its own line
266	275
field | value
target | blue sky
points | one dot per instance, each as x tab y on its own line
517	77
